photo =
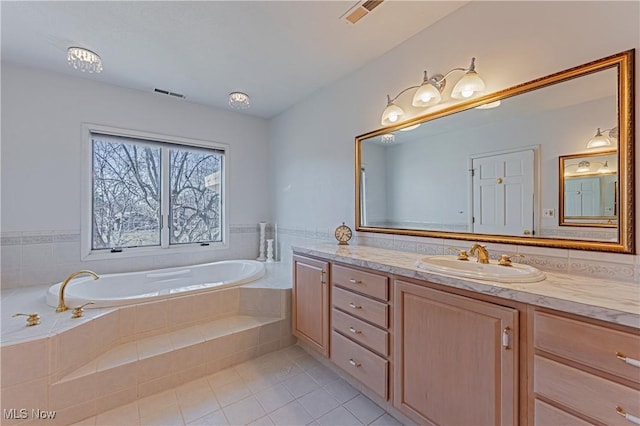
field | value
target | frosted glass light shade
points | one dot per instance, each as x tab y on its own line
391	114
599	141
467	86
426	95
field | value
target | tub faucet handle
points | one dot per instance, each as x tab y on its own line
505	259
78	310
462	254
32	319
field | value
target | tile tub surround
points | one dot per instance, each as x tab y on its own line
613	301
43	257
115	355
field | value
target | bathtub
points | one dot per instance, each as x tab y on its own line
137	287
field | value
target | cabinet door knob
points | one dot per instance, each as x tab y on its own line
354	363
354	331
633	419
354	306
630	361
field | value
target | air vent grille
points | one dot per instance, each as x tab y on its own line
169	93
360	10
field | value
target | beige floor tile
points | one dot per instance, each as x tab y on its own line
217	418
291	414
318	403
341	390
274	397
301	384
195	408
232	392
262	421
322	375
244	411
163	416
153	403
364	409
223	377
386	420
340	416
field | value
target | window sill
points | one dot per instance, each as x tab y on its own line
128	253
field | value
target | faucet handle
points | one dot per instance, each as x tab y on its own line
462	254
505	259
32	319
78	310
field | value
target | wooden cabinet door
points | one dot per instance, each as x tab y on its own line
310	311
456	358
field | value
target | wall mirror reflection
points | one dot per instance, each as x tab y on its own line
589	191
487	169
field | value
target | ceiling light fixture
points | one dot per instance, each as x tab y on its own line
84	60
388	138
600	140
239	100
430	92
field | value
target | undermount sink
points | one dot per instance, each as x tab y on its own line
492	271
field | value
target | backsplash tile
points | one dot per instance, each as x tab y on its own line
614	266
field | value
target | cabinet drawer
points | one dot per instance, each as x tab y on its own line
361	363
589	344
361	306
548	415
584	392
361	332
364	282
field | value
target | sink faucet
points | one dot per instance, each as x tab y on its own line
483	254
61	306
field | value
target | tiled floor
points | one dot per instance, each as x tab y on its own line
287	388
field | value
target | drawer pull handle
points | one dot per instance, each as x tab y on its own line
354	306
628	360
627	416
354	331
355	364
354	281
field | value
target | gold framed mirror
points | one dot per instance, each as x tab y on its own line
588	188
471	172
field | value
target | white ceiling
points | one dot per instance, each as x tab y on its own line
279	52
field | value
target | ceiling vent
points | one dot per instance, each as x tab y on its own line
166	92
360	10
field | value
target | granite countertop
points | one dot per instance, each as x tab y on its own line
612	301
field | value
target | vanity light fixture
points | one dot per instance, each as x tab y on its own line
239	100
583	167
430	92
600	140
604	168
388	138
84	60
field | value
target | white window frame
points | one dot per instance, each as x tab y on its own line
87	253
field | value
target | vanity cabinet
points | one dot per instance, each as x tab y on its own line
585	370
455	358
360	323
310	303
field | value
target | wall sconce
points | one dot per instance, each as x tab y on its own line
583	167
600	140
430	92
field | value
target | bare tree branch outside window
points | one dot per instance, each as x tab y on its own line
127	194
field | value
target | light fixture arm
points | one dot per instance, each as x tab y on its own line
390	101
472	68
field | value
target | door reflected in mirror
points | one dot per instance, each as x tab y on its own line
589	190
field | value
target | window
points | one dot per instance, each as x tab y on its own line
151	191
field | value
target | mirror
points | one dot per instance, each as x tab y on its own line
487	169
589	191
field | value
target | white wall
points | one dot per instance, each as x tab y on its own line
312	144
42	114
